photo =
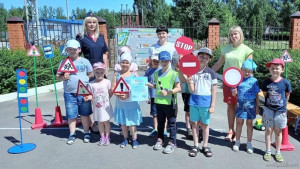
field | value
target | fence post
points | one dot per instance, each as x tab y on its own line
213	33
103	28
16	33
295	31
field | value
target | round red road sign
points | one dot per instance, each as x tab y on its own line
189	64
184	45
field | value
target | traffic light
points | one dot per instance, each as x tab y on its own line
22	88
21	80
23	104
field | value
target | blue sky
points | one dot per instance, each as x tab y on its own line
94	5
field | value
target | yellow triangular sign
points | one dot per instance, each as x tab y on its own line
33	51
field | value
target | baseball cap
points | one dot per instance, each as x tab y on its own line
249	64
126	56
164	55
154	57
99	65
275	61
205	50
73	44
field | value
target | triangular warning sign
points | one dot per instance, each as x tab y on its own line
82	89
67	66
286	57
33	51
121	87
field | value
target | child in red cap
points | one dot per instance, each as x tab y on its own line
276	90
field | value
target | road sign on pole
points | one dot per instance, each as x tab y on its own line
184	45
189	64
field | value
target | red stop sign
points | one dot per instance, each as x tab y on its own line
189	64
184	45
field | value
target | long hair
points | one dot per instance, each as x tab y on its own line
236	29
85	21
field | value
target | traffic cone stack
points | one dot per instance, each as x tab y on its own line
58	120
285	145
39	123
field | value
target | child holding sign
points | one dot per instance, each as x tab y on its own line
166	86
247	104
74	103
276	90
127	112
202	87
102	109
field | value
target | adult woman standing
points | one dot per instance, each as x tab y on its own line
92	42
233	54
93	47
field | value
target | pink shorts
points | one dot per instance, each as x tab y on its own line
228	98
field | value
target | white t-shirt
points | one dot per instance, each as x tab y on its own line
169	47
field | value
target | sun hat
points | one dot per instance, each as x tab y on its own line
275	61
126	56
249	64
99	65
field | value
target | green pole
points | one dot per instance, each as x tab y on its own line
53	76
285	70
35	83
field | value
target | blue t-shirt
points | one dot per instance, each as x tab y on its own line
248	89
149	73
275	98
93	51
83	67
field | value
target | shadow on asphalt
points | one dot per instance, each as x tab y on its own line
12	139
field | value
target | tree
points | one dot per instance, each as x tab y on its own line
59	13
79	13
3	17
19	12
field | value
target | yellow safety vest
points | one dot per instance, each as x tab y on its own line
167	83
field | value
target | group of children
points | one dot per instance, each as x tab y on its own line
164	84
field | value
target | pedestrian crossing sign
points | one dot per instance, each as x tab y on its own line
286	57
67	66
82	89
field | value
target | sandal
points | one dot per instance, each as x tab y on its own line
207	152
194	151
230	136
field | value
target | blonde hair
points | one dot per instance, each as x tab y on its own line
86	20
236	29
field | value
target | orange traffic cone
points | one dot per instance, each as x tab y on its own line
58	120
285	145
39	123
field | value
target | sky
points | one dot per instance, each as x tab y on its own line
93	5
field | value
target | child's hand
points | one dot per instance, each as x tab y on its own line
148	101
257	110
124	96
234	91
164	93
86	98
67	76
189	79
211	110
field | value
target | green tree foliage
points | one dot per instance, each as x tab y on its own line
3	17
79	13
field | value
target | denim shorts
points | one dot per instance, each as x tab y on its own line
199	114
153	111
246	110
75	105
273	118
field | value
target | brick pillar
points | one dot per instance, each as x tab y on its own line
213	33
16	33
295	31
103	28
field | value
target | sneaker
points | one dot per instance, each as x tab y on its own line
267	157
236	146
101	141
165	133
107	141
158	145
170	148
71	139
249	148
153	133
135	144
86	137
124	143
278	157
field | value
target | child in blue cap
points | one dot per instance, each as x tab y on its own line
247	105
166	84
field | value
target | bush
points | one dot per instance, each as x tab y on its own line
261	57
10	60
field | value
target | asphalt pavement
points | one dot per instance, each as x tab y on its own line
52	151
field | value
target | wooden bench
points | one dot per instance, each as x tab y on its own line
291	109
